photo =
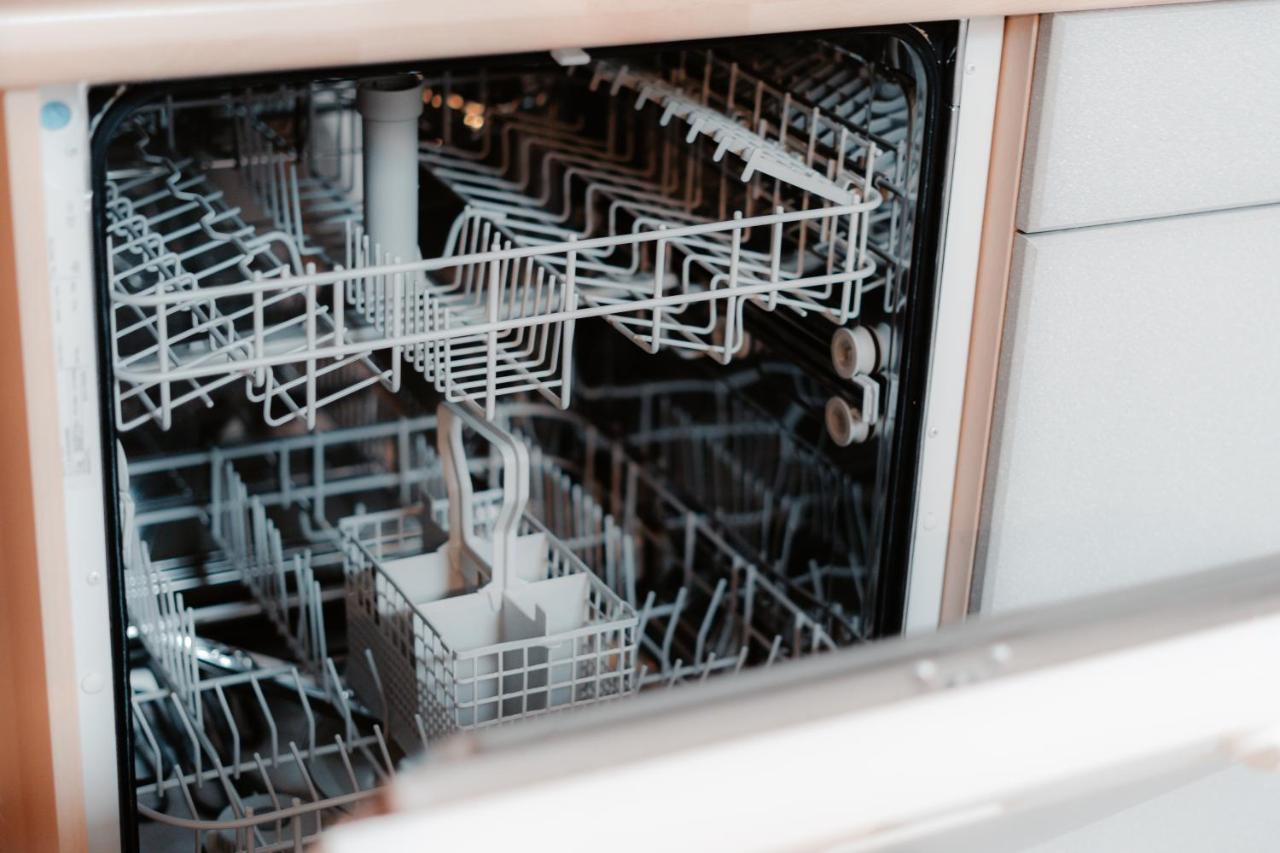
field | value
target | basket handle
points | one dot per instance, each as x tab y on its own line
450	420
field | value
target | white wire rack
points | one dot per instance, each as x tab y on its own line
599	186
172	230
858	102
492	316
707	608
780	503
502	623
165	625
240	762
248	761
686	573
757	151
285	587
252	773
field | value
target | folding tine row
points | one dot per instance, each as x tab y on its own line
284	586
813	147
869	99
170	230
281	580
312	195
244	776
164	624
175	241
704	606
776	499
222	756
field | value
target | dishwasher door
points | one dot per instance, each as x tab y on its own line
987	736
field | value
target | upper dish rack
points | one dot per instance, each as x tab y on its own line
282	290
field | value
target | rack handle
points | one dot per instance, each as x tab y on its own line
450	420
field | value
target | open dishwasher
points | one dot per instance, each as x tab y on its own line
445	395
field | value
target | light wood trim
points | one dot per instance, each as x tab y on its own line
65	41
41	778
1009	133
26	761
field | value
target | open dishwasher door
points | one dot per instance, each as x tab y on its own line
989	736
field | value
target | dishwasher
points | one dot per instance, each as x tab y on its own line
431	397
448	394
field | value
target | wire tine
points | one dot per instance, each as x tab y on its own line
377	682
346	762
707	620
266	781
302	769
306	709
773	650
295	826
382	748
196	749
422	730
340	697
708	666
231	724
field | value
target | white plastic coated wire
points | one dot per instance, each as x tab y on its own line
188	733
281	790
622	550
493	316
253	544
758	152
723	611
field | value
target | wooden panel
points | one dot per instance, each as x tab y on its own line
1008	136
47	41
26	761
41	796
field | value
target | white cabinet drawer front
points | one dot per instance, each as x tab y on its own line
1136	423
1152	112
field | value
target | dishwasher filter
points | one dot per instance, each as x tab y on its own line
453	394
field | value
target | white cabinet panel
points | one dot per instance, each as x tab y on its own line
1136	429
1151	112
1232	810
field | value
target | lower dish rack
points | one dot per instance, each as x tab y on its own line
614	585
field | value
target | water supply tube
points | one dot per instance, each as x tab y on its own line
389	108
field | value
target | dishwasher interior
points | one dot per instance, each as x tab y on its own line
455	393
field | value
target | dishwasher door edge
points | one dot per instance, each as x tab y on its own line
972	104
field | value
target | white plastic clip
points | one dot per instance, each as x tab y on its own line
570	56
